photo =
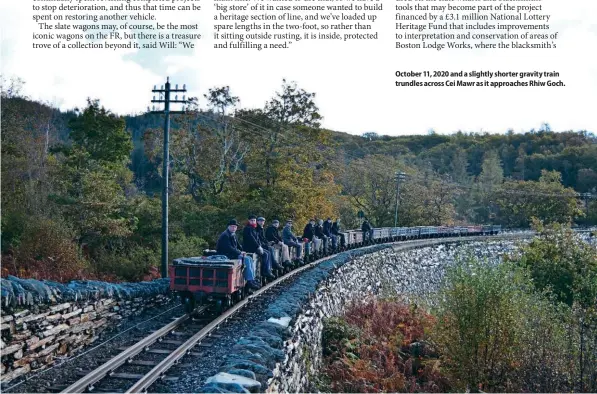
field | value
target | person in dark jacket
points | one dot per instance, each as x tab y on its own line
319	234
264	244
327	231
309	230
336	231
227	245
309	233
367	231
272	235
251	244
290	240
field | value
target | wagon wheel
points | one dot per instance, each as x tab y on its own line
189	303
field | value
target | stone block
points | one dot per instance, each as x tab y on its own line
7	377
20	314
82	327
21	336
22	362
62	337
55	330
6	318
84	317
54	318
40	343
32	318
11	349
72	314
99	323
63	348
88	308
48	350
224	378
60	307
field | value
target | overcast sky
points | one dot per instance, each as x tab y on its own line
354	81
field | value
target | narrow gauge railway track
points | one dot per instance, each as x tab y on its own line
158	372
168	334
89	382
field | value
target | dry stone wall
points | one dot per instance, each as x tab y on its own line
43	321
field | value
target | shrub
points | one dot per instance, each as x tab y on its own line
47	251
562	264
496	334
380	347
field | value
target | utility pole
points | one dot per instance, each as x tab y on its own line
587	197
164	97
400	176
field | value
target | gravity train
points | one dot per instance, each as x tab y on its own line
218	281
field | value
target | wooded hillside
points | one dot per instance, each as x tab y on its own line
81	189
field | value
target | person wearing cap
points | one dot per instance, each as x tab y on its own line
272	235
251	244
309	233
227	245
264	244
327	231
290	240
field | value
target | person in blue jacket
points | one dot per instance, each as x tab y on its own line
227	245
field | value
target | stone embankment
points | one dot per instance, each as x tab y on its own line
414	274
43	321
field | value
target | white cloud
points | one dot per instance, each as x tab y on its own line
354	81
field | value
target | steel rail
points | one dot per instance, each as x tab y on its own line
108	367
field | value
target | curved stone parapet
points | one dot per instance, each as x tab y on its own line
19	293
43	319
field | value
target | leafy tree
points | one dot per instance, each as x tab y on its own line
547	200
371	185
459	167
586	180
101	134
91	177
289	108
561	262
491	177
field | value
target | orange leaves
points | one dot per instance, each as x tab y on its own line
380	346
